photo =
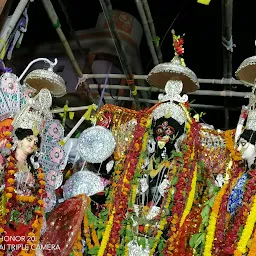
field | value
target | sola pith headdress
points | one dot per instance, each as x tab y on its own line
177	78
13	95
251	114
34	114
246	73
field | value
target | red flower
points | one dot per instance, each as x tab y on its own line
180	51
141	229
181	41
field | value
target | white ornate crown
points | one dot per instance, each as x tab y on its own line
13	95
173	88
34	114
251	116
251	120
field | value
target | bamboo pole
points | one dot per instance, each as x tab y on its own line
227	42
56	24
107	10
223	93
12	22
152	29
223	81
2	5
71	109
155	101
147	31
5	13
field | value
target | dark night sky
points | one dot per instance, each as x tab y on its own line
201	25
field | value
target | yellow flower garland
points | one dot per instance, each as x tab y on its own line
106	234
190	197
247	231
126	250
128	227
212	221
158	235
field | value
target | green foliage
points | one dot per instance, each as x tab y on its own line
92	219
174	181
161	245
94	250
197	239
15	214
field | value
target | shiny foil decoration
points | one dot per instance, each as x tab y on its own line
13	95
46	78
96	144
54	178
136	250
35	113
63	225
247	71
50	199
173	70
83	182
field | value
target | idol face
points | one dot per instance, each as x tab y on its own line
246	149
28	145
163	133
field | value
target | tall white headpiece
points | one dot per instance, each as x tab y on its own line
169	108
34	114
251	117
247	74
175	77
13	95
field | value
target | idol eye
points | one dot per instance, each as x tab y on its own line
29	139
243	143
159	130
168	131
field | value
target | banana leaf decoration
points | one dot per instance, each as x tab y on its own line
64	115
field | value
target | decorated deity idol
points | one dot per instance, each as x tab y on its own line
22	183
232	213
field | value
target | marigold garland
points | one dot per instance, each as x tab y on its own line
232	235
87	233
95	237
229	135
252	251
191	197
224	216
123	189
247	231
105	239
77	247
158	236
126	249
212	221
182	191
12	197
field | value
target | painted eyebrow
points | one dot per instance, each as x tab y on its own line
32	138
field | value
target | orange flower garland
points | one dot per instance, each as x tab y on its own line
78	247
229	135
188	175
111	240
87	233
12	197
252	251
212	221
